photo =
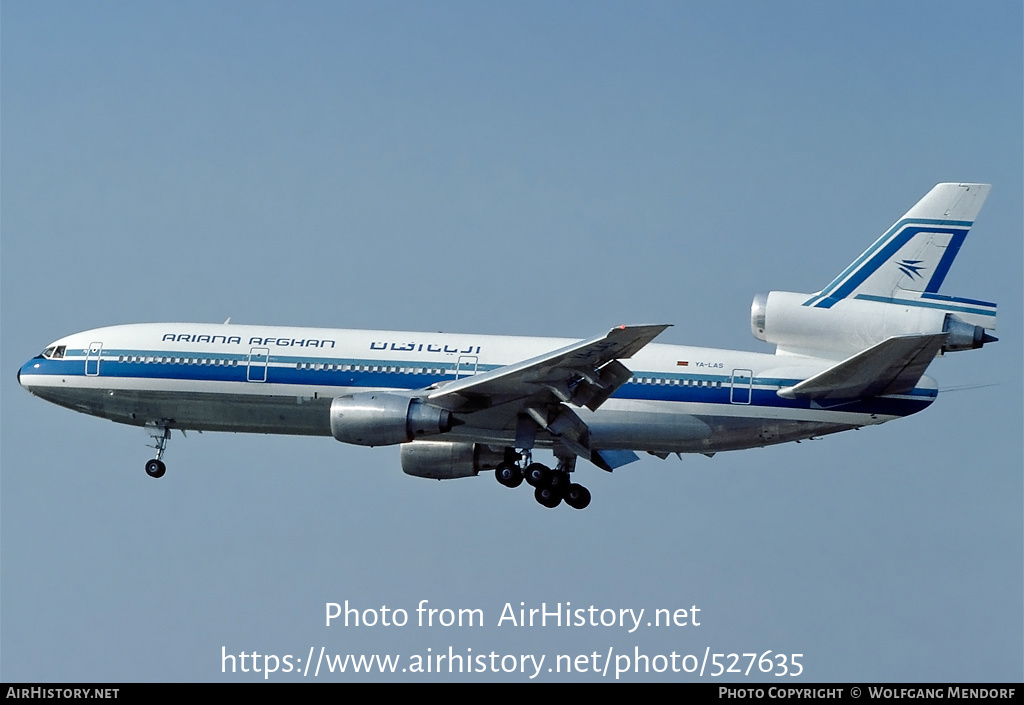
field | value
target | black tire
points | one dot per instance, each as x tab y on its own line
508	475
558	482
537	474
577	496
155	468
547	497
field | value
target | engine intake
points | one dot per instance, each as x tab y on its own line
382	419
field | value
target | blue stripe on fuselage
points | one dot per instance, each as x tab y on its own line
712	389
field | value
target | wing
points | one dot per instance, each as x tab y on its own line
893	366
533	394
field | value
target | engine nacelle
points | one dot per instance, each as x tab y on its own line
852	325
382	419
441	460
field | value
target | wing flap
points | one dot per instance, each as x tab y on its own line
536	394
893	366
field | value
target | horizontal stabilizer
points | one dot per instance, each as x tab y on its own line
893	366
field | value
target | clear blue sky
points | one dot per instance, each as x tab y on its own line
531	168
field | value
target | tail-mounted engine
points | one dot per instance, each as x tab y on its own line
850	325
382	418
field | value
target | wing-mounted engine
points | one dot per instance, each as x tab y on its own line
850	325
441	460
383	418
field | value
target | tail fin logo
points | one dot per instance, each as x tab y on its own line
912	268
915	254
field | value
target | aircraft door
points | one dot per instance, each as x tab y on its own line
92	359
256	370
742	382
466	366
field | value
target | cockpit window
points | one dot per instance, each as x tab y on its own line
48	351
55	352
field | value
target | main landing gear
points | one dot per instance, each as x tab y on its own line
551	487
160	434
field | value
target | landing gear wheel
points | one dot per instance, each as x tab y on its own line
577	496
547	497
155	468
558	481
537	474
508	475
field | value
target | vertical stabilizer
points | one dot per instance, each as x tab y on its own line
909	262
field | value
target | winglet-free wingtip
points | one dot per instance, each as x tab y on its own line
651	329
635	337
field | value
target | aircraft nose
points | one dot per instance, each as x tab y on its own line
23	381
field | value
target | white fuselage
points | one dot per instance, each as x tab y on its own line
264	379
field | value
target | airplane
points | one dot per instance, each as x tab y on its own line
851	355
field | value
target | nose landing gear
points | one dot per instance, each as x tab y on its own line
161	434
